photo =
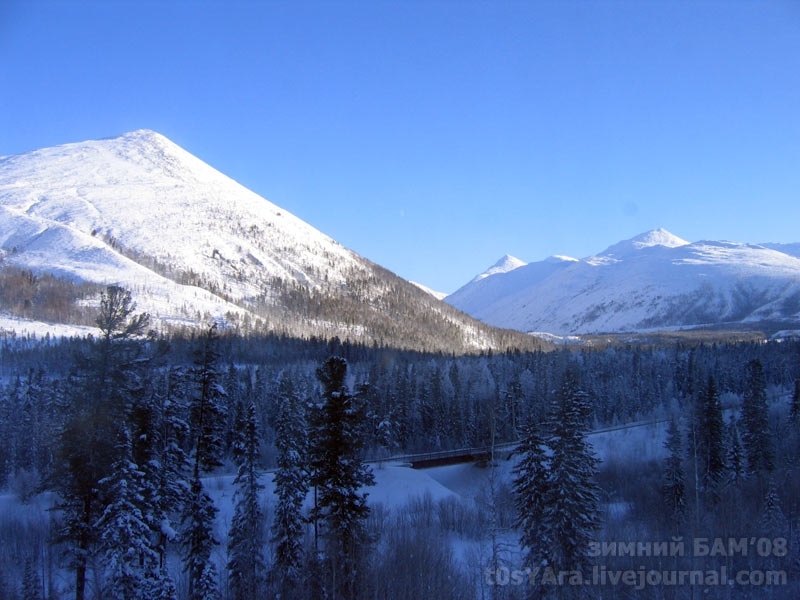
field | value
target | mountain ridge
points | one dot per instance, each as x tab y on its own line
192	245
655	280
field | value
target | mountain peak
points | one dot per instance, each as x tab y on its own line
144	138
648	239
504	265
147	139
658	237
138	134
192	245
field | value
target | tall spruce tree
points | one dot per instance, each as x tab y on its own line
674	480
794	411
755	420
736	463
530	490
774	525
157	431
571	502
167	470
708	440
170	465
126	537
31	585
199	543
339	475
773	521
246	565
207	404
101	395
206	421
291	488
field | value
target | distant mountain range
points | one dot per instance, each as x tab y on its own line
193	246
654	281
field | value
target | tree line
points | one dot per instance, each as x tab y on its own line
126	428
729	478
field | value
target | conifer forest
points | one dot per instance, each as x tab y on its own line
213	465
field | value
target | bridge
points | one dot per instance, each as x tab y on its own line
439	458
483	454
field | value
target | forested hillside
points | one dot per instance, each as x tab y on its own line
123	431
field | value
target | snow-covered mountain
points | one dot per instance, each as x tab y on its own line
192	244
790	249
653	281
504	265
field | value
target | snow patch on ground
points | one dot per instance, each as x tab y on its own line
24	328
434	293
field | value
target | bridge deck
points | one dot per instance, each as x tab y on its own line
501	451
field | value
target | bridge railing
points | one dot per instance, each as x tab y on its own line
484	451
442	455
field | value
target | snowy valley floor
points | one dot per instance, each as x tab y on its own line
464	510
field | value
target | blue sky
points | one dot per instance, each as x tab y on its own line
434	137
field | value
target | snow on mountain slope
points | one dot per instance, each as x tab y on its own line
486	291
90	210
192	244
649	239
655	280
142	192
427	290
790	249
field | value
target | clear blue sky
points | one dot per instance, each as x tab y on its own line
433	137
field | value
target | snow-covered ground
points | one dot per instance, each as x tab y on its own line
397	484
25	328
397	489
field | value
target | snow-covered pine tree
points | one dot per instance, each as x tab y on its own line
773	522
31	585
207	405
339	476
774	525
530	488
246	565
794	411
571	513
125	536
206	422
490	501
199	542
291	488
100	395
674	479
142	458
167	470
708	439
755	420
27	434
164	587
736	462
